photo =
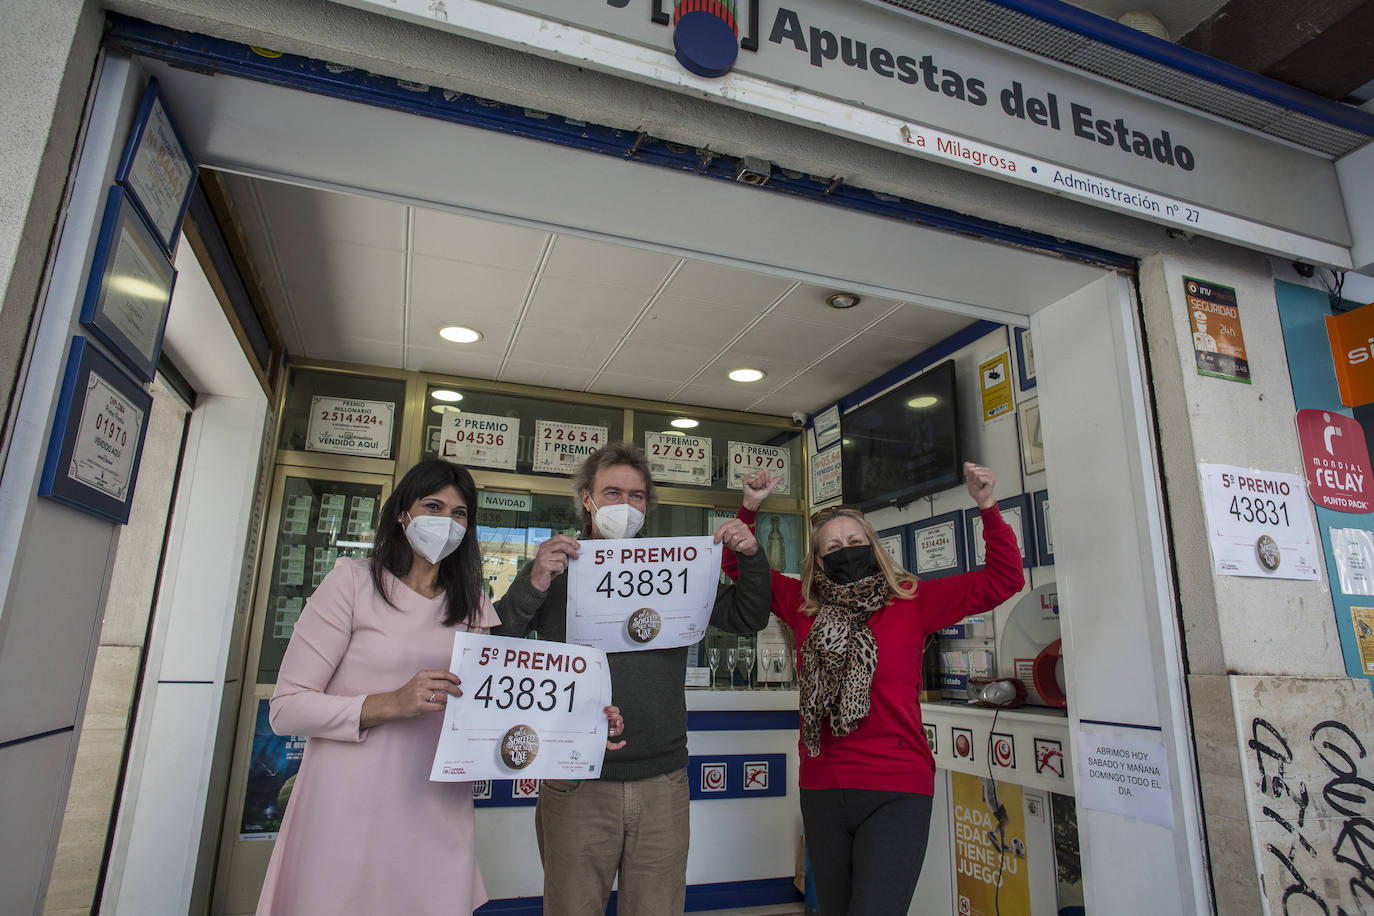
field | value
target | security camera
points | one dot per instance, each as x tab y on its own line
798	418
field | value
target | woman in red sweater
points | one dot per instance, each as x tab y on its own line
867	774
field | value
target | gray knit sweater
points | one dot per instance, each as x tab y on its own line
647	685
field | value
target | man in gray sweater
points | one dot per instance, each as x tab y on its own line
634	818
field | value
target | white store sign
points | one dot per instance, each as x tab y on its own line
1126	775
480	440
529	708
747	458
1259	524
632	594
678	459
980	106
346	426
560	448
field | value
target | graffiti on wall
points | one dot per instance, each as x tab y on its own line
1309	758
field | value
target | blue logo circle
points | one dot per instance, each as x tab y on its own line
705	44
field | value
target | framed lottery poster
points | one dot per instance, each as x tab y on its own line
157	168
97	436
1044	530
1016	511
1025	359
129	290
893	542
937	546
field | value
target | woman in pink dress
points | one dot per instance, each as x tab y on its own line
365	678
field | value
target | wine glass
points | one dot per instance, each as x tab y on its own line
780	665
766	664
730	667
745	654
713	661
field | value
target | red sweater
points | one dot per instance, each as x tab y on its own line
887	750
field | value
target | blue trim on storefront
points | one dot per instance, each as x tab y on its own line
64	729
212	55
722	896
1175	57
741	720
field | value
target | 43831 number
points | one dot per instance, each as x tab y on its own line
1263	511
524	694
643	583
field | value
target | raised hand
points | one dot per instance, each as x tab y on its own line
757	486
980	482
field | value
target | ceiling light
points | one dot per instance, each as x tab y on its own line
444	394
843	300
685	423
746	375
460	334
446	408
925	400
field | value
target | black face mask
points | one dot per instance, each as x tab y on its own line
850	564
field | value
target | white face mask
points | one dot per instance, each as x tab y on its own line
619	521
434	536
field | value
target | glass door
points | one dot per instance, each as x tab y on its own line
315	517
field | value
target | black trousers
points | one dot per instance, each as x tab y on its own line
866	848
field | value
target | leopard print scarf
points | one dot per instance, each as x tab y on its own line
838	657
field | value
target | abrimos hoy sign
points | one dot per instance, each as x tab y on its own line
891	78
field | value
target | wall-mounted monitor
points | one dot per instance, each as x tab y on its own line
903	444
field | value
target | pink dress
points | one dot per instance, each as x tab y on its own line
365	831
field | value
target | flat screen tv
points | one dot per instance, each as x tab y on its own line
903	444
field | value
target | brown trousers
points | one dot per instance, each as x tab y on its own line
588	829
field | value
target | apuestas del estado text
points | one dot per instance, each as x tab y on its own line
823	46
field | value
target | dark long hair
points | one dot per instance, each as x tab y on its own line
460	573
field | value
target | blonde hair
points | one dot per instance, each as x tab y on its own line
901	582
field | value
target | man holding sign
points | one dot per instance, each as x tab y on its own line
634	818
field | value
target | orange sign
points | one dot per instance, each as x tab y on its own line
1352	336
1214	316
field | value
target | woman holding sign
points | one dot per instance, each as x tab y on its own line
365	679
867	774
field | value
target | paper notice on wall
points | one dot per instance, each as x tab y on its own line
480	440
995	375
678	458
1353	551
1126	775
827	482
1258	523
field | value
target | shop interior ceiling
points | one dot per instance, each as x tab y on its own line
366	280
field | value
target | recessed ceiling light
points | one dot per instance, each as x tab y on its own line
460	334
746	375
843	300
685	423
446	408
925	400
444	394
